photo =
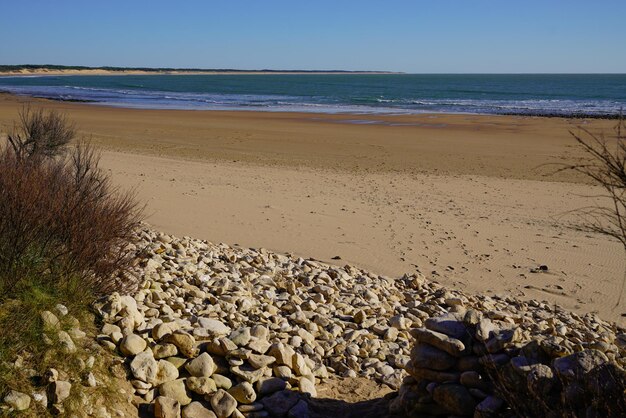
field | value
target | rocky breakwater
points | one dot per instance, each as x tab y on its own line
489	364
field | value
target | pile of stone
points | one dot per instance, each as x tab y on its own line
467	364
246	317
203	367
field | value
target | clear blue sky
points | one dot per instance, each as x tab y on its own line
412	36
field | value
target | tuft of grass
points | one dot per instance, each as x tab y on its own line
22	339
22	329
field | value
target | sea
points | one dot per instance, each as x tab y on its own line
569	95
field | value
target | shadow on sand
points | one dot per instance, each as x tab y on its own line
333	408
324	408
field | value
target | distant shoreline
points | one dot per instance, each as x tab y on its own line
26	70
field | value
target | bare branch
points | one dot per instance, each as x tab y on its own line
604	165
40	134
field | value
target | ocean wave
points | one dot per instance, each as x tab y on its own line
135	95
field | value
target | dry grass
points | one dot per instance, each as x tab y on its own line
25	343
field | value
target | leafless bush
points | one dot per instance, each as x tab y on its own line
40	133
604	164
597	393
60	217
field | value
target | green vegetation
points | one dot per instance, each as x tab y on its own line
22	329
64	232
49	67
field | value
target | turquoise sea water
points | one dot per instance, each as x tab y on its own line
528	94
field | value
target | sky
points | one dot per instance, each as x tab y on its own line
430	36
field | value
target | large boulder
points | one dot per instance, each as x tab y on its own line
579	364
279	404
443	342
448	324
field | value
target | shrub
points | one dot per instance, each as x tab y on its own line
40	134
597	392
60	217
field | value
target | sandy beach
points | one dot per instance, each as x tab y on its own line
467	200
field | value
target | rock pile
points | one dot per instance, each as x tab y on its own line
202	367
220	328
467	364
211	318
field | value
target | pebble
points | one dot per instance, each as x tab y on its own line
50	321
165	407
17	400
197	410
176	390
66	343
223	404
58	391
132	344
201	385
243	392
201	366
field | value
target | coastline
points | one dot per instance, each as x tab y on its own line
98	71
465	199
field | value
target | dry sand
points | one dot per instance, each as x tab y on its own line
462	198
